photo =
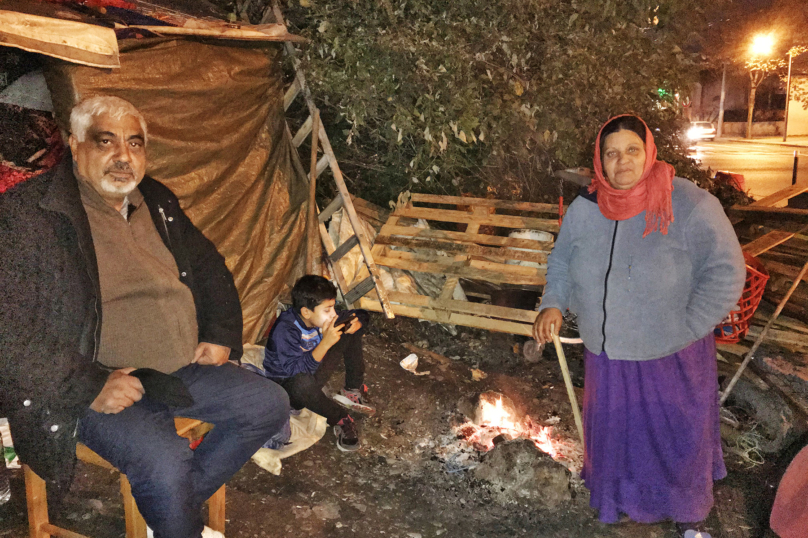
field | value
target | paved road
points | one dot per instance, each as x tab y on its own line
767	168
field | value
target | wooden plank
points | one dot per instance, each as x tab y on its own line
478	211
48	529
464	217
216	510
767	242
331	208
37	500
303	132
322	164
781	195
465	272
223	32
464	248
787	338
314	250
135	525
781	268
370	210
391	230
448	288
88	456
783	213
291	94
483	202
344	248
463	261
465	307
524	329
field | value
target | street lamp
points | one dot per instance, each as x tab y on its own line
759	66
762	45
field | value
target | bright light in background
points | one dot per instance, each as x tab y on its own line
762	45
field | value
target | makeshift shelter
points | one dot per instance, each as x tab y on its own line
217	137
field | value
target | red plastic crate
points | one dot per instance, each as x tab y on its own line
736	324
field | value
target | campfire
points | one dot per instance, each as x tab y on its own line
495	419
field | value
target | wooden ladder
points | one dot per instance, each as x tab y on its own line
343	200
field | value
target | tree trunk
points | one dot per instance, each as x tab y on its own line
752	91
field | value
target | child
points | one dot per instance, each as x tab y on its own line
304	348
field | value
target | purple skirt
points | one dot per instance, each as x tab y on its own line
652	430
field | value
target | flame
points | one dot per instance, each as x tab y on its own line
495	415
497	421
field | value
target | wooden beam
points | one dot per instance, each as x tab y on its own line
536	256
466	272
767	242
757	212
502	221
392	230
465	307
322	165
524	329
302	133
484	202
291	94
331	208
781	195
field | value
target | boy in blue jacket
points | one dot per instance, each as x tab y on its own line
305	347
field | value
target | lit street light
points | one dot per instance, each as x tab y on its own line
759	66
762	45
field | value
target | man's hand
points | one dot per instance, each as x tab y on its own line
353	327
211	354
119	392
547	318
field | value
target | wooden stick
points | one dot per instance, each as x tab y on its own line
763	333
562	360
313	241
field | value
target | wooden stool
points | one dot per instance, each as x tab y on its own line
40	526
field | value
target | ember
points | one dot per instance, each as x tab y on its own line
495	421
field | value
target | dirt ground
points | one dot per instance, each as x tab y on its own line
401	484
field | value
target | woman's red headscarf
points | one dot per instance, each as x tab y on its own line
651	194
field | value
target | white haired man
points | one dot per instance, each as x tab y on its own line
96	235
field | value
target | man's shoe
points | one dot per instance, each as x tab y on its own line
355	400
207	532
347	437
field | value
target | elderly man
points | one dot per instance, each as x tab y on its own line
95	236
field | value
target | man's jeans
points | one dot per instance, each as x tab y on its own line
169	480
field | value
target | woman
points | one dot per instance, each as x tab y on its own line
650	264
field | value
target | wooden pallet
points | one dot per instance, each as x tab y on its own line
461	244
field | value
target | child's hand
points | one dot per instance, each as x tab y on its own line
331	334
353	327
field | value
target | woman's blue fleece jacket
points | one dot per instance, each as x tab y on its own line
643	298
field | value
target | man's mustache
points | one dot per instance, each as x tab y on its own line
120	167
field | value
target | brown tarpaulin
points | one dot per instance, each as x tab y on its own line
216	137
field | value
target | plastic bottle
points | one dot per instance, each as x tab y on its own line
5	488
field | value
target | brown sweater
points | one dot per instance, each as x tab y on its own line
149	318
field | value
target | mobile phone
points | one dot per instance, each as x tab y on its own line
345	318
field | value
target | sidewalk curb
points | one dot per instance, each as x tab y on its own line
758	141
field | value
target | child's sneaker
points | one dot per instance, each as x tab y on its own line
347	438
356	400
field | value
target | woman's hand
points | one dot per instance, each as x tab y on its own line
547	318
